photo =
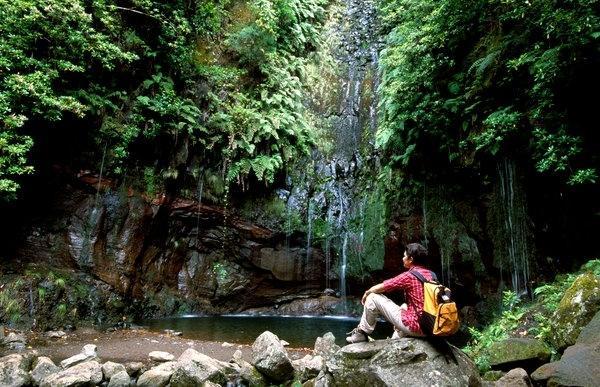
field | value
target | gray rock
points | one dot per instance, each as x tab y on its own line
403	362
194	368
270	358
578	366
13	338
160	356
55	334
88	353
110	368
516	377
363	350
135	368
158	376
88	373
14	370
1	333
43	367
325	346
590	334
323	379
120	379
308	367
247	371
518	352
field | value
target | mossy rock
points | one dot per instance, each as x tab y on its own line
492	376
576	309
518	352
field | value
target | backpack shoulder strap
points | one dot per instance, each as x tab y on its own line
421	278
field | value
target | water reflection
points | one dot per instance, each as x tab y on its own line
299	331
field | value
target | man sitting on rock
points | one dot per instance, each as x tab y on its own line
404	318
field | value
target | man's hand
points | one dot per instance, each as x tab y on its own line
379	288
364	297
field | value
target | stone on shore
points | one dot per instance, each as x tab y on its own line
160	356
120	379
43	367
88	353
110	368
14	370
247	371
195	368
308	367
325	346
158	376
271	359
82	374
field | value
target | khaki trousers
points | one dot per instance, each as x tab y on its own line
377	305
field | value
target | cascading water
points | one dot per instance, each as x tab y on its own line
343	267
309	234
515	228
346	109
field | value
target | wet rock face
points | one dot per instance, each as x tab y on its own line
172	254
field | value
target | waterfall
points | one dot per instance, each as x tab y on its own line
344	105
328	248
343	265
199	192
309	236
515	229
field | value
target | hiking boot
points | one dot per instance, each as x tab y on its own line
356	336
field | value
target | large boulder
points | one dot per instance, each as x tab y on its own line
83	374
158	376
270	358
579	364
308	367
325	346
517	377
14	370
402	362
195	368
42	368
120	379
247	371
577	307
110	368
518	352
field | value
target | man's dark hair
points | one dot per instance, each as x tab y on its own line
417	252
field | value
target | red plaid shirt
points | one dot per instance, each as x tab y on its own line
413	294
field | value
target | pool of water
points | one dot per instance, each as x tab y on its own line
243	329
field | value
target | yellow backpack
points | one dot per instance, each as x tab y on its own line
440	315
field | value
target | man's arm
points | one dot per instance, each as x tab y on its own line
379	288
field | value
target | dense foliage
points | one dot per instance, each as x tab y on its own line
465	82
159	89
